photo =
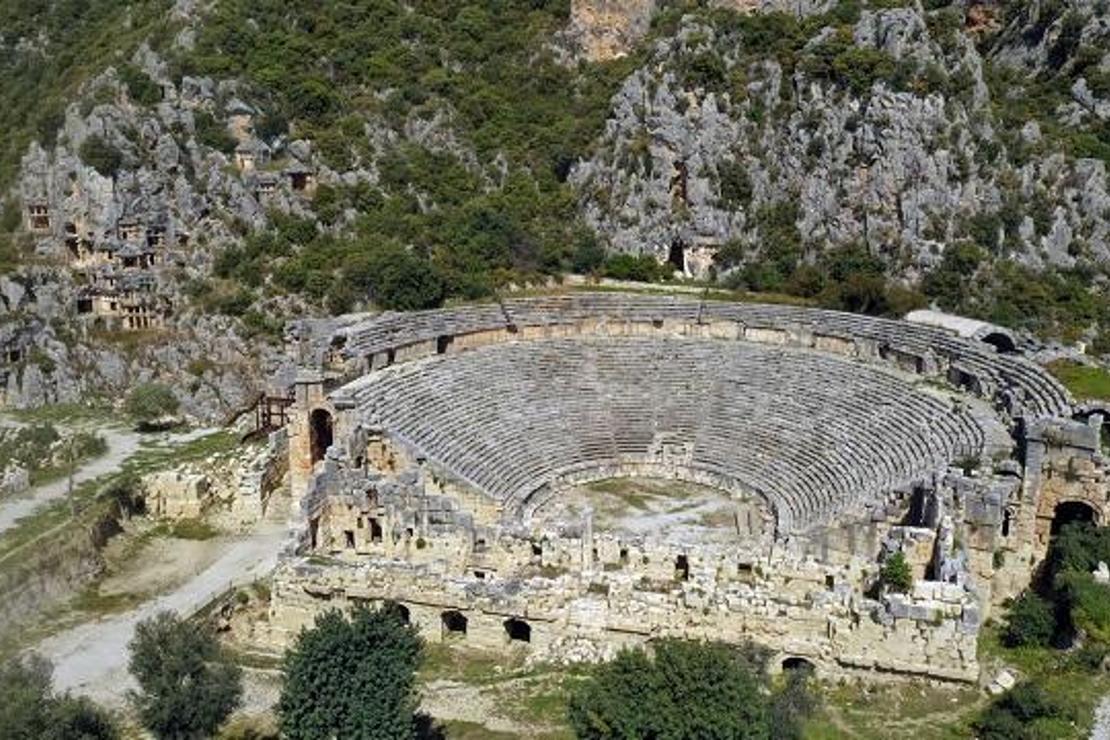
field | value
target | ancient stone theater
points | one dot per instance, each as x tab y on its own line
567	474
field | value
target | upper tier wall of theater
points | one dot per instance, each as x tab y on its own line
1016	385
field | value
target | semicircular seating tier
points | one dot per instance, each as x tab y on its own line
813	434
1025	388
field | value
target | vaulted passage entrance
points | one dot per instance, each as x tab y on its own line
1072	512
320	433
518	630
454	623
797	664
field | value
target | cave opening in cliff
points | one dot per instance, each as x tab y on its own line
676	256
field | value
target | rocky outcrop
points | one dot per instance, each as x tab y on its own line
901	171
606	29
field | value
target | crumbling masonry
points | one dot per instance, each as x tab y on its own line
431	453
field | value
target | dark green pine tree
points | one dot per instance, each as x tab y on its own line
352	678
187	687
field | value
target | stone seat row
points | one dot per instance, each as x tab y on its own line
1038	393
812	433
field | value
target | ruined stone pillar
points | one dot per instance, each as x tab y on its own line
308	395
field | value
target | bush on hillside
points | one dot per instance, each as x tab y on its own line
687	690
352	677
97	153
30	710
1026	712
896	575
1031	621
187	686
149	403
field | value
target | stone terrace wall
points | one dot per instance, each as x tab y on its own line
799	611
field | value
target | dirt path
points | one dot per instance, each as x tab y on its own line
1101	730
122	444
91	659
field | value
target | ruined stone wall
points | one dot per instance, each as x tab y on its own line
796	609
388	524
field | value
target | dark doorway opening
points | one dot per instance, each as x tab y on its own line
797	664
518	630
676	256
402	611
1071	512
1002	342
454	622
682	568
320	434
443	343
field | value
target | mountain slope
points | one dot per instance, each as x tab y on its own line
213	169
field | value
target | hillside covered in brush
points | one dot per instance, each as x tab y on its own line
214	168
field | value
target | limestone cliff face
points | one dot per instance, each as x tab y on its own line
713	131
897	170
608	29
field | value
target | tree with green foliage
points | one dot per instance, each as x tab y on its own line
895	575
213	133
1031	621
97	153
734	184
140	87
30	710
149	403
642	268
352	677
682	691
1025	712
187	685
792	704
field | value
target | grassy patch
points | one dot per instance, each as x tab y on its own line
66	413
473	731
91	601
88	498
533	697
1083	381
899	710
186	529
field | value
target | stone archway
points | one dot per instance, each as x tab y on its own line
1072	512
453	622
794	663
321	430
517	630
1001	341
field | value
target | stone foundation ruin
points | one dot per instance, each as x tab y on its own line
444	460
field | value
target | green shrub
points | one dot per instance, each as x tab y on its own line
685	690
734	184
352	677
100	155
150	402
895	574
1031	621
1025	712
641	268
140	87
1087	604
213	133
30	710
187	685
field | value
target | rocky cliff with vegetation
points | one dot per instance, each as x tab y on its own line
180	178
